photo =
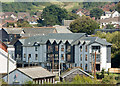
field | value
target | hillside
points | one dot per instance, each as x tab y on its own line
36	6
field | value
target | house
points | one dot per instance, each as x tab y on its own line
28	32
37	75
70	49
115	21
107	30
79	13
66	22
62	29
109	14
4	59
24	15
70	75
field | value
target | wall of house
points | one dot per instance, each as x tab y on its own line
17	76
115	14
78	54
3	62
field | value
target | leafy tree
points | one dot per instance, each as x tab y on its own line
115	48
109	80
23	23
110	26
96	12
118	7
53	15
84	25
72	16
83	80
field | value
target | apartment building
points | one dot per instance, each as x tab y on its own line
64	50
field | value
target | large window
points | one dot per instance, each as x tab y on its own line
81	65
81	57
62	56
80	48
56	47
96	48
85	57
24	55
36	56
62	47
56	57
36	48
85	66
50	49
68	48
29	55
68	57
86	48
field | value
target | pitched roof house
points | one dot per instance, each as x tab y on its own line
70	75
37	75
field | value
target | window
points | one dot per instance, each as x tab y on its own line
80	48
29	56
85	66
81	57
36	48
56	47
36	56
68	57
96	48
68	48
62	47
50	49
85	57
81	65
62	56
86	48
24	55
56	57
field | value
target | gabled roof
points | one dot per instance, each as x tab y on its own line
73	70
36	72
62	29
95	40
53	37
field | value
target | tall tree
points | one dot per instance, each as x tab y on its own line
53	15
84	24
96	12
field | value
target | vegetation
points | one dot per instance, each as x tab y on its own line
84	25
96	12
23	23
108	80
110	26
53	15
115	40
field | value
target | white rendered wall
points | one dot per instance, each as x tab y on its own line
3	62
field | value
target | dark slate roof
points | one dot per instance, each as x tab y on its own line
72	38
37	31
73	70
36	72
28	32
51	37
95	40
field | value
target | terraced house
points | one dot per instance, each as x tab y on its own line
64	49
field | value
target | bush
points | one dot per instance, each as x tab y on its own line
109	80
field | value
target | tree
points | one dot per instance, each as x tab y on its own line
118	7
96	12
114	39
53	15
23	23
84	24
110	26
